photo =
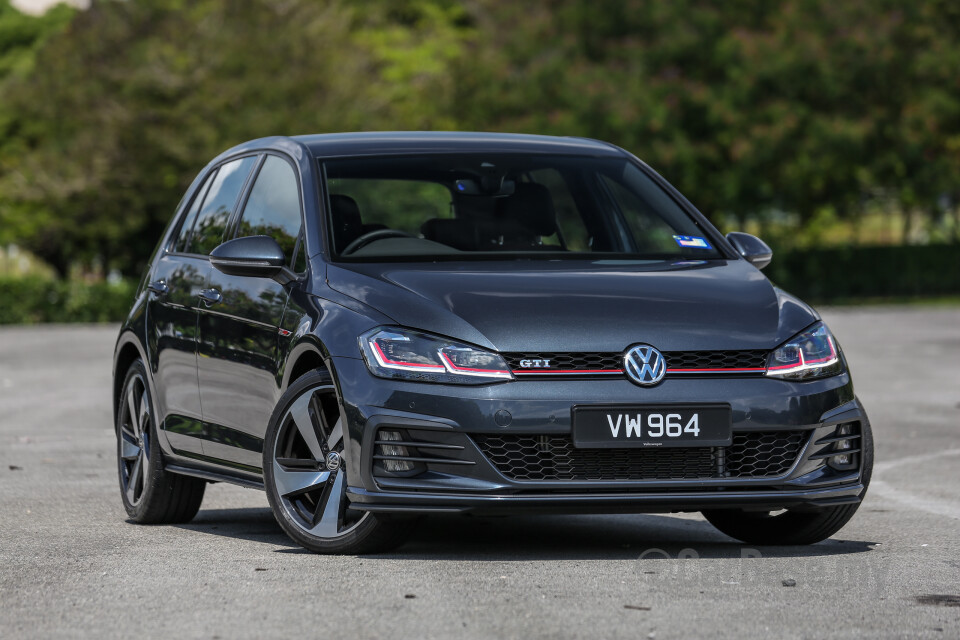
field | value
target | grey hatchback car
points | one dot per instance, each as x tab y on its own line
376	326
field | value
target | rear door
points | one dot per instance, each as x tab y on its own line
239	337
174	291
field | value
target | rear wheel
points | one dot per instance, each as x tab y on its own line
792	526
150	495
304	469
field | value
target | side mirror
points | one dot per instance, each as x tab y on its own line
253	257
752	248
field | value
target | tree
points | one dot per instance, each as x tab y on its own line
751	107
748	106
136	97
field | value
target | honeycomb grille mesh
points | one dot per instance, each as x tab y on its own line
568	361
762	454
543	457
607	361
754	359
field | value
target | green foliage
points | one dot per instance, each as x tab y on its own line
816	110
34	299
136	97
21	35
851	273
746	106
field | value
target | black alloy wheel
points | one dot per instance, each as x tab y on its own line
134	427
150	495
305	475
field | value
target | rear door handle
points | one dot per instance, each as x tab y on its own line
210	296
159	287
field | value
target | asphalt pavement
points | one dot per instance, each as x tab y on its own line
72	566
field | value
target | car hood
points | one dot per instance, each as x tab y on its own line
581	306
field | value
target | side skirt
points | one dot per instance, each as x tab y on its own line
213	476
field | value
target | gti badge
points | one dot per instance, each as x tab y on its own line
535	364
645	365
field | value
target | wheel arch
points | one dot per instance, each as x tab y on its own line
310	354
126	353
304	357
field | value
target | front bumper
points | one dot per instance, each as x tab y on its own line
659	502
456	475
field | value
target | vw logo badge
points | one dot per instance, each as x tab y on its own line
644	365
333	461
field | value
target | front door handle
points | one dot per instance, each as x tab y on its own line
159	287
210	296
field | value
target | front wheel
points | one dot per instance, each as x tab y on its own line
792	527
786	528
304	469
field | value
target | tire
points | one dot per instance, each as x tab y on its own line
304	473
150	495
794	527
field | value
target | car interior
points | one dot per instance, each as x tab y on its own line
516	222
435	206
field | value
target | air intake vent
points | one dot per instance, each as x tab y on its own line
543	457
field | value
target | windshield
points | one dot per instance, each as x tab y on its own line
483	206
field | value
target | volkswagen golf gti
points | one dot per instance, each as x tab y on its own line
372	327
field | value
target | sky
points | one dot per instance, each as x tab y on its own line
39	6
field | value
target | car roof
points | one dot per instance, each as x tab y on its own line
368	143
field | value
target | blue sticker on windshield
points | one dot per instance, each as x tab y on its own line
692	242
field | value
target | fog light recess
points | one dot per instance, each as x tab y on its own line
845	450
390	456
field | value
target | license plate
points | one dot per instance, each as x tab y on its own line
608	427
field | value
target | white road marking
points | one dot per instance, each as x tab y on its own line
936	506
926	457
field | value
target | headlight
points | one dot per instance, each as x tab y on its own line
808	355
411	355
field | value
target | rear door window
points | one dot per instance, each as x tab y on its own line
184	236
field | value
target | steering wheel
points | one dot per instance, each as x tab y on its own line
373	236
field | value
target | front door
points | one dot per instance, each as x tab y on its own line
238	346
237	366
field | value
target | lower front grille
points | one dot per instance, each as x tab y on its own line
549	457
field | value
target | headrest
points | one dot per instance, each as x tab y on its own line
347	224
531	206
